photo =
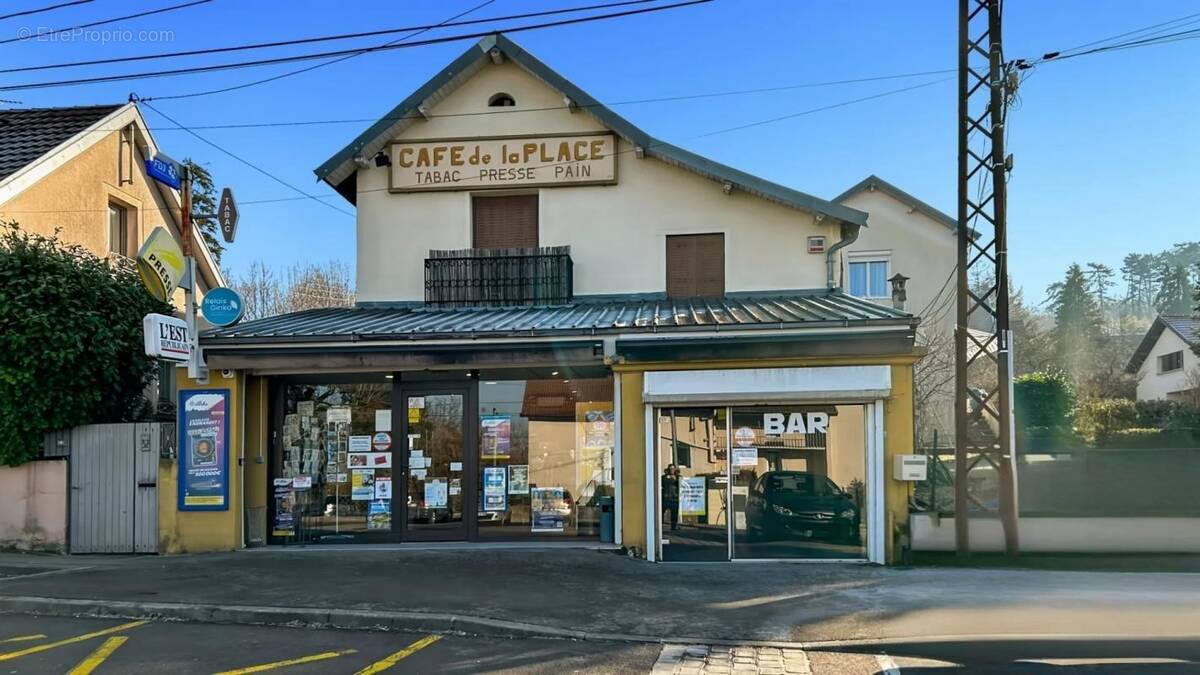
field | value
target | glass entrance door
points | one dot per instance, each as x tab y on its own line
438	497
693	484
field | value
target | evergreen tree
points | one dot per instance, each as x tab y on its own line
1077	323
205	200
1175	291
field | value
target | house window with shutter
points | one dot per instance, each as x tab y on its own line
695	265
509	221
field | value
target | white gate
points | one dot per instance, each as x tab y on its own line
114	493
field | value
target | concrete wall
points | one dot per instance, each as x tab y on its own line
617	232
1065	535
1153	385
33	508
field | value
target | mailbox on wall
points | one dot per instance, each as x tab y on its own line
910	467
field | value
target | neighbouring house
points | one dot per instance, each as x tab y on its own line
1165	363
908	236
554	308
80	171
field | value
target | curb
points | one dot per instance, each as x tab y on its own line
351	619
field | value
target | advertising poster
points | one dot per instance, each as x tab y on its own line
362	484
370	460
598	425
745	457
494	496
548	509
383	487
338	414
692	496
383	420
203	450
518	479
436	496
306	408
285	522
360	444
497	436
379	515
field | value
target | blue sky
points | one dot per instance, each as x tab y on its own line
1106	146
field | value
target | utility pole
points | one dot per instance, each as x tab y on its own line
982	339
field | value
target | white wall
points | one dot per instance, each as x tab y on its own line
616	232
1153	385
1064	535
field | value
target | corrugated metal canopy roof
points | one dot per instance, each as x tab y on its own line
585	316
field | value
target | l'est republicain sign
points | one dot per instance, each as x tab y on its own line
491	163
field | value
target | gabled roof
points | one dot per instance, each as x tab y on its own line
340	170
27	134
584	316
874	182
1186	327
36	141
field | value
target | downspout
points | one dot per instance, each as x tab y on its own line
849	236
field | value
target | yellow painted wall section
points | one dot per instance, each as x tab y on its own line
633	462
257	418
204	531
897	433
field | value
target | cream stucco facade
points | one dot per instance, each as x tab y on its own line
69	190
616	232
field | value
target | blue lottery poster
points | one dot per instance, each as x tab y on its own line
495	496
204	450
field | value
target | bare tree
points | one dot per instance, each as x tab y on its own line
302	287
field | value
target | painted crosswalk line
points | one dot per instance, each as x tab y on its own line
391	660
8	656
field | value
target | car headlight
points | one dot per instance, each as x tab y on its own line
848	513
782	510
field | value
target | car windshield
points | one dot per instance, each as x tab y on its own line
804	484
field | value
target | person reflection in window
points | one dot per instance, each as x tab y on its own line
670	493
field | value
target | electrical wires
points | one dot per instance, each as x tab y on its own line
30	12
104	22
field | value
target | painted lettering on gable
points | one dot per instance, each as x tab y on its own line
499	163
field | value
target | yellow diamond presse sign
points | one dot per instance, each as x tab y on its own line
160	264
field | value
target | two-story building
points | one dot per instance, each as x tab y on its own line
567	329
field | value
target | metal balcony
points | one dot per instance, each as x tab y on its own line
499	277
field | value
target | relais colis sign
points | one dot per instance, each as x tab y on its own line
491	163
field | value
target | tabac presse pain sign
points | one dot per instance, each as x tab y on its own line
505	162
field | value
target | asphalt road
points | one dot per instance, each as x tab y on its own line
81	645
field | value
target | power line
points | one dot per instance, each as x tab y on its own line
44	9
21	38
509	111
342	52
257	168
321	38
306	69
1132	32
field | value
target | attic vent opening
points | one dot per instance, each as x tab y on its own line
501	100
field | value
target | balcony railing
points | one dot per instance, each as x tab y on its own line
499	277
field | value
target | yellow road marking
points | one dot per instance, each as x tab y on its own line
69	641
23	638
98	656
389	661
290	662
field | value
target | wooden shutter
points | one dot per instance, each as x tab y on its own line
695	265
510	221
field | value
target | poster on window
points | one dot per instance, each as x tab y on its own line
362	484
379	515
518	479
495	498
203	450
548	509
598	426
436	493
497	436
692	496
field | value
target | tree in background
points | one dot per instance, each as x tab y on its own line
1100	281
309	286
205	200
71	346
1077	324
1175	291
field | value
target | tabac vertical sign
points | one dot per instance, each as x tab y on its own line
227	215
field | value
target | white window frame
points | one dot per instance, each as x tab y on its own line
870	257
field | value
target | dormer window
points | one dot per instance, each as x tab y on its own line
501	100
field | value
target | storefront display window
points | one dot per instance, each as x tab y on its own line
694	484
545	456
332	477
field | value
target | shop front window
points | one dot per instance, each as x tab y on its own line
694	484
332	476
545	456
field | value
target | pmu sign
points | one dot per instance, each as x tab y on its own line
227	215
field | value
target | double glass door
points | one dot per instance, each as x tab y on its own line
438	472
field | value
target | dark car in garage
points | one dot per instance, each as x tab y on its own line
799	504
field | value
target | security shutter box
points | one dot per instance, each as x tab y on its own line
509	221
695	265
